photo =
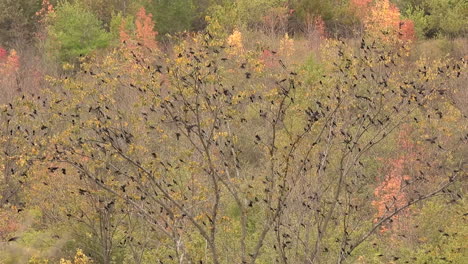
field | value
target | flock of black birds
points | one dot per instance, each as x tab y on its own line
377	113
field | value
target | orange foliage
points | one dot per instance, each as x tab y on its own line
123	34
9	78
145	29
407	31
267	58
389	195
319	26
3	54
9	63
360	7
10	223
382	20
46	8
138	46
360	3
144	35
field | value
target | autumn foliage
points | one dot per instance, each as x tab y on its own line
320	27
3	53
46	9
145	29
9	62
9	67
313	132
144	34
10	222
382	20
391	193
407	31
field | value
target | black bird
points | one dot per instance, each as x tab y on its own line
13	239
109	205
431	140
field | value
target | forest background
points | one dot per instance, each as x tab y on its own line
246	131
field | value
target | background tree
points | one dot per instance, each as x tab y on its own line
18	22
74	31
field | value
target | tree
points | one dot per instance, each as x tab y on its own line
74	31
258	15
337	16
144	34
438	17
171	16
17	22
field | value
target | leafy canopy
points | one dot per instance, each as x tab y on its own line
74	31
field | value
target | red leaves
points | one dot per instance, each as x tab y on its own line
3	54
